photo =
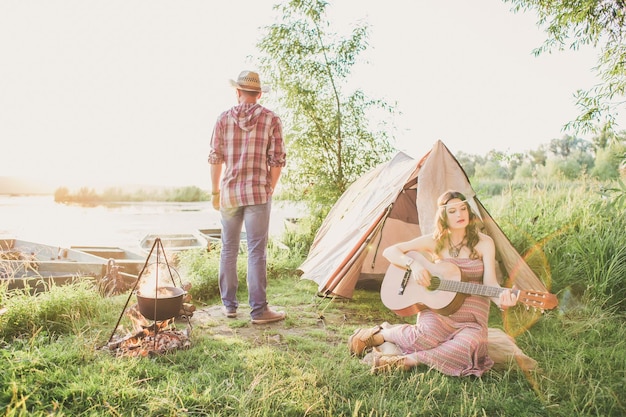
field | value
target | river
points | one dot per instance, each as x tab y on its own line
40	219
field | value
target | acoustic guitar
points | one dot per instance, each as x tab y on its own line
401	294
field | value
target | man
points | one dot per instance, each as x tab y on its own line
247	145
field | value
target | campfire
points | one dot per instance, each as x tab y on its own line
157	338
153	318
147	337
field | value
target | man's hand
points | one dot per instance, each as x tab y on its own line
215	200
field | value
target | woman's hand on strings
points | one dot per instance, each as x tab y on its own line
421	276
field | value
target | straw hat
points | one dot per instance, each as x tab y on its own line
248	81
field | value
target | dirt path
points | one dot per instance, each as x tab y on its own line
211	320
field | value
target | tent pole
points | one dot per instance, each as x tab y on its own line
380	237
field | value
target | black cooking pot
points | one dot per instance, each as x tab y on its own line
166	304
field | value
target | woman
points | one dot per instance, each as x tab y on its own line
455	344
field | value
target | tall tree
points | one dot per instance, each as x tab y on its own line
567	145
602	24
330	139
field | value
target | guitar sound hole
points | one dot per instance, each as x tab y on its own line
434	283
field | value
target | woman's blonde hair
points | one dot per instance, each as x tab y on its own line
441	234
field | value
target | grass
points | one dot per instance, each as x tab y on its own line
52	364
301	367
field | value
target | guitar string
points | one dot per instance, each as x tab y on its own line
468	287
530	300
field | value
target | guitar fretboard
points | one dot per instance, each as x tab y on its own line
465	287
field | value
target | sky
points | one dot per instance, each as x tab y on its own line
104	93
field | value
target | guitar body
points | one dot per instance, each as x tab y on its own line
414	297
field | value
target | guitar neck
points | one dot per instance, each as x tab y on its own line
468	288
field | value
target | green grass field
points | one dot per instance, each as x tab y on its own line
52	364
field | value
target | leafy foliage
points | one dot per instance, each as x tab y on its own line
599	23
201	268
569	157
89	196
616	195
330	143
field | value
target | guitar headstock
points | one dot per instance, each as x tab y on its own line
537	300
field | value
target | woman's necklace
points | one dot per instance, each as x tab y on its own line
455	249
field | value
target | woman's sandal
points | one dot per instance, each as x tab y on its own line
362	339
388	363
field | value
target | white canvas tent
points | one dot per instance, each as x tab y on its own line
394	202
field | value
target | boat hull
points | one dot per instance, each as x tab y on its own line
128	261
214	236
25	264
174	242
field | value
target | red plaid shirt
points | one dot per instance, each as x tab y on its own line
248	140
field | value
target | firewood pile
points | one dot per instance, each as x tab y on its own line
149	339
156	339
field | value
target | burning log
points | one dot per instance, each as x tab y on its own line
150	339
138	320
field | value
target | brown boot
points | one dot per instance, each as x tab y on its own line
363	339
388	363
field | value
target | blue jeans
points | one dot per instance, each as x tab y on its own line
256	219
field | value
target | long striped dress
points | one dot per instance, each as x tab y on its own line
456	344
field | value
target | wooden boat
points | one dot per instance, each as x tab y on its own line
128	261
36	266
211	235
123	267
214	236
174	242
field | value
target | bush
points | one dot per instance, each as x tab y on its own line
607	162
57	310
573	231
201	268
